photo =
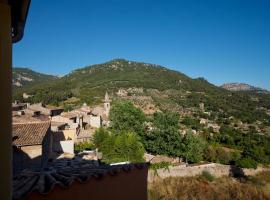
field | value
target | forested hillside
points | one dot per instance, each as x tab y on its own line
167	89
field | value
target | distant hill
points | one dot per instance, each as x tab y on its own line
241	87
23	77
166	89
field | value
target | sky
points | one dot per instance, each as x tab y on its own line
220	40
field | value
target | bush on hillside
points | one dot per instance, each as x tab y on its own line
208	176
247	162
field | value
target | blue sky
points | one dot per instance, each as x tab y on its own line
220	40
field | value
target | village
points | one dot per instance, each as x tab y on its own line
44	138
33	123
42	132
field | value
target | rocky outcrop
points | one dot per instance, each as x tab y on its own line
238	87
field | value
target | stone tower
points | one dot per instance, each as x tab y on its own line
107	104
201	107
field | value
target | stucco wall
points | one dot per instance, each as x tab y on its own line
71	133
95	121
64	146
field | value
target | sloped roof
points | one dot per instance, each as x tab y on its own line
58	124
31	133
27	118
98	110
69	115
63	173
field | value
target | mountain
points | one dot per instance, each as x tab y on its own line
241	87
150	85
24	77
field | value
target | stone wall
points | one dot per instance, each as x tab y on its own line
217	170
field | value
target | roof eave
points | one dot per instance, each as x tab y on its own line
19	12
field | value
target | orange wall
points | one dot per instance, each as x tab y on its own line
130	185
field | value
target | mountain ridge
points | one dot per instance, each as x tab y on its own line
166	89
230	86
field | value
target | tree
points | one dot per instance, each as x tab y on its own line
194	147
164	138
119	147
100	136
125	116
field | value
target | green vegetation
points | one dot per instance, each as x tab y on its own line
125	116
161	165
161	136
208	176
90	83
121	147
247	162
193	147
84	146
220	155
243	138
164	138
27	77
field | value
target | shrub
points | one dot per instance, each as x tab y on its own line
208	176
83	146
218	154
223	157
210	154
161	165
247	162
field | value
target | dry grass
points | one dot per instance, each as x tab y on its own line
225	188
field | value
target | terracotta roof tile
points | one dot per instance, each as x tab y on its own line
69	114
29	133
63	173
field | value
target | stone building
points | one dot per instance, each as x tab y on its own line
32	145
201	105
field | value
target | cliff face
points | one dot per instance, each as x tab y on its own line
23	77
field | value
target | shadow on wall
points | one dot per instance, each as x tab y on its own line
22	160
62	143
